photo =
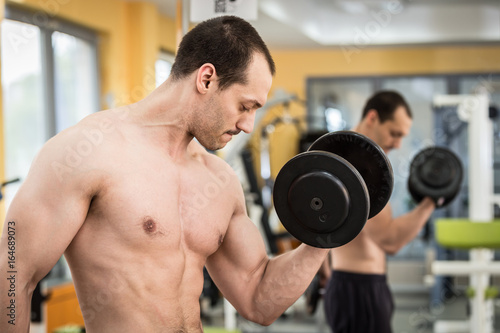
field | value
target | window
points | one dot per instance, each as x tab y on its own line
24	111
74	79
49	82
347	96
163	66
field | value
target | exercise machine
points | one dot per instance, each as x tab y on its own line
480	233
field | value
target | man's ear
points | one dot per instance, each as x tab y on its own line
205	78
372	117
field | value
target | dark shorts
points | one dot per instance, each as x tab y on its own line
358	303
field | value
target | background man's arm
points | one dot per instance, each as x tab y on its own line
391	234
43	218
260	289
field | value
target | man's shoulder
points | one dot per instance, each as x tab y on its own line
84	146
90	132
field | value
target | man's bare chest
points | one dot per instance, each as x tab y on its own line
165	207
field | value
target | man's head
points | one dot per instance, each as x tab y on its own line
228	43
386	119
231	69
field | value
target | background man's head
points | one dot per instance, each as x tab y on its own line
386	119
228	43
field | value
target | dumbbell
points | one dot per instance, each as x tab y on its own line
435	172
324	196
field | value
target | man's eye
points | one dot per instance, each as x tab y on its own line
243	108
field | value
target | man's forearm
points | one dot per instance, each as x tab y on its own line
411	223
285	279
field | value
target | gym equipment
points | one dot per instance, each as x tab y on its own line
368	159
460	233
325	195
5	183
435	172
477	233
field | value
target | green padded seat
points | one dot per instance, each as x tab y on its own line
464	234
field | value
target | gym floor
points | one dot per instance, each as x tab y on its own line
412	315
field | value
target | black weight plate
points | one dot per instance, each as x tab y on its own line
321	199
435	172
368	159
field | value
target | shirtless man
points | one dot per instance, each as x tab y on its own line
357	297
139	208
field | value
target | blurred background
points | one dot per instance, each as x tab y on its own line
62	60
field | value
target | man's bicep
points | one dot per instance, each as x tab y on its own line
240	262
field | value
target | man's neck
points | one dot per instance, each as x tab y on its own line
164	117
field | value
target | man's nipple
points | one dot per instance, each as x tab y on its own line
149	226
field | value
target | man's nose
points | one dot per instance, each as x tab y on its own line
397	143
246	122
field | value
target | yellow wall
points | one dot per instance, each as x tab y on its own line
166	34
143	47
294	67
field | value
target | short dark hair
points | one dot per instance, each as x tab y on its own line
385	102
228	43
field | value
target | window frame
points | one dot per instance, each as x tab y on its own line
48	25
